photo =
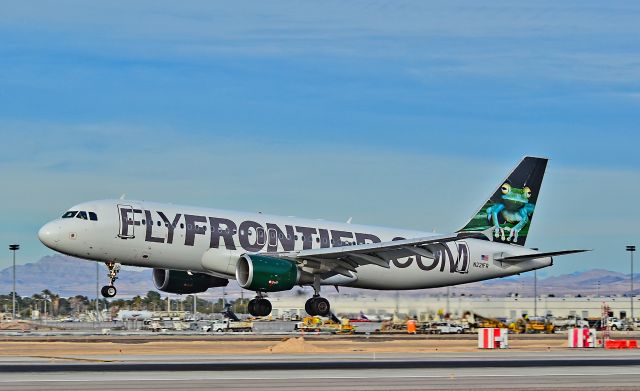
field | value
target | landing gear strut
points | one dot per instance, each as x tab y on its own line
317	305
110	290
259	306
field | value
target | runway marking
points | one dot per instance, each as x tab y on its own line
322	377
75	359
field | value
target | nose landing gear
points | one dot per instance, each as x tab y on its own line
110	290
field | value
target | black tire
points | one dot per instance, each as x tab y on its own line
321	306
108	291
251	307
309	307
263	307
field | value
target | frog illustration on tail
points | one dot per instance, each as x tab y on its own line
509	211
514	208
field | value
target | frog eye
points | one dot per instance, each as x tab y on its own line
506	188
527	192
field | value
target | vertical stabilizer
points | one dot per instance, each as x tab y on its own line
510	209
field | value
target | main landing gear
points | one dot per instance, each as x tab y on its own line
259	306
317	305
110	290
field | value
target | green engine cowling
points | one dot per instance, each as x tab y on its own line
181	282
266	274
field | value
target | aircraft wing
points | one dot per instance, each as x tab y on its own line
345	259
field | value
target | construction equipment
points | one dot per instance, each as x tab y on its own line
486	322
532	326
331	325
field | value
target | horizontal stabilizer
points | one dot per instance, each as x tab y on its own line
526	257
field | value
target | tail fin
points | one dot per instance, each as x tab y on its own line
509	210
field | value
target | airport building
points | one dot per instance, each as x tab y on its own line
495	307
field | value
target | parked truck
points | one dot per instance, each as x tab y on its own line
224	325
569	322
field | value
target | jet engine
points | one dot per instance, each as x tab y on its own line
178	281
269	274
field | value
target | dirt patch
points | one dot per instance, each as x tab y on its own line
295	345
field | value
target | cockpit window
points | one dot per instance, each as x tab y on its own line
93	216
82	215
69	214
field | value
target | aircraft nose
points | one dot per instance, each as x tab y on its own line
49	234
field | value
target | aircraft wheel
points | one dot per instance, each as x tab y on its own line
321	306
251	307
263	307
108	291
309	307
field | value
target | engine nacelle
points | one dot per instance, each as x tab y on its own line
178	281
269	274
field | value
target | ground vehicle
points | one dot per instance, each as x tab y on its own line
220	326
569	322
334	325
616	324
532	325
444	328
482	321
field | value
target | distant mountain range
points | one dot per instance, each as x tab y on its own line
69	276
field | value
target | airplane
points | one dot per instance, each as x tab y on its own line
192	249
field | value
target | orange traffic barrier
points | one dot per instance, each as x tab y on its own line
621	344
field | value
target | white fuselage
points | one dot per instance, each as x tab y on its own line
167	236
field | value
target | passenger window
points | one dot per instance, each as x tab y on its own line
82	215
94	217
69	214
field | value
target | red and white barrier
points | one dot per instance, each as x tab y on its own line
493	338
582	338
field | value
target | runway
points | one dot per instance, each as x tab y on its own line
568	370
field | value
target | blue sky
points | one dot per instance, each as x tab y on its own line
398	113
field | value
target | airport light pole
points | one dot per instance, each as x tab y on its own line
535	293
631	250
14	248
535	289
97	291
